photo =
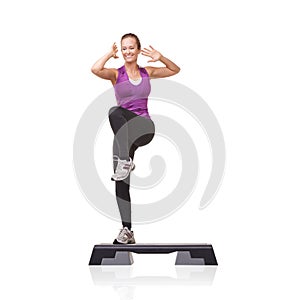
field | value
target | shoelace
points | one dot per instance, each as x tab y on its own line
124	232
121	164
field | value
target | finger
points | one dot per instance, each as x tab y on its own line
151	47
146	49
145	53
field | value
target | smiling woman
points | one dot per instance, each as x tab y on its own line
130	120
131	48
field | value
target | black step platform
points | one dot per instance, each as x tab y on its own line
187	254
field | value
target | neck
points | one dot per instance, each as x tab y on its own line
131	67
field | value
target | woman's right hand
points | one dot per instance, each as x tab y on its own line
114	50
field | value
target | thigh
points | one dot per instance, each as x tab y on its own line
119	116
140	131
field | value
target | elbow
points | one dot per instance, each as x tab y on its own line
94	70
176	71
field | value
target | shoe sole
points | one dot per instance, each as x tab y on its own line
119	243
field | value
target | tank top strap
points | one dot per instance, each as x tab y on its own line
122	70
122	76
143	72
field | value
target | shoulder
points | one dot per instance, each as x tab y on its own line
120	74
147	70
121	69
115	73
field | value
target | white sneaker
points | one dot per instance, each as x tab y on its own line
125	236
123	168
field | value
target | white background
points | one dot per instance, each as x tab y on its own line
242	57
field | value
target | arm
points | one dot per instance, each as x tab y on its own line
106	73
170	68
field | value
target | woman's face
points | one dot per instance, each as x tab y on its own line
129	49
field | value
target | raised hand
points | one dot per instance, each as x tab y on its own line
114	50
154	54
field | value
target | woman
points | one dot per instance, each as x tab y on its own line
130	120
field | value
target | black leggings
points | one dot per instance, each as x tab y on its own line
130	132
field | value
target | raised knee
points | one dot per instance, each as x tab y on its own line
114	110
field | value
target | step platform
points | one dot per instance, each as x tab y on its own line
187	254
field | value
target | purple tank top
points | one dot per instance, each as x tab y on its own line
133	97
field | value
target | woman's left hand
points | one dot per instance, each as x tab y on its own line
154	54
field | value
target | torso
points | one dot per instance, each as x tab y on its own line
133	96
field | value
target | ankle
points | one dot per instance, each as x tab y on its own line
127	158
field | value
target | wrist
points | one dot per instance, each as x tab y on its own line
110	55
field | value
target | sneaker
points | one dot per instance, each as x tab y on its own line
123	168
125	236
